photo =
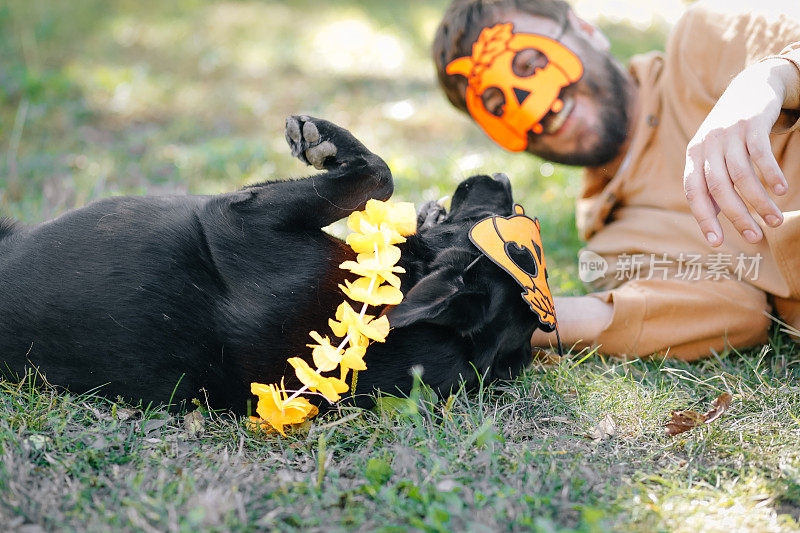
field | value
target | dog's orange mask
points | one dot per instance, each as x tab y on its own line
527	99
515	244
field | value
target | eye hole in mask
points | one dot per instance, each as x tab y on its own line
514	80
494	101
527	62
523	258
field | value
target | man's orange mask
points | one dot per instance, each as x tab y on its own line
515	244
527	99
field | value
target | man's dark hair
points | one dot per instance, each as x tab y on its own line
462	24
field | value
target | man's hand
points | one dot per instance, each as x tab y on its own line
731	143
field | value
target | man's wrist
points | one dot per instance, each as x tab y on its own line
783	75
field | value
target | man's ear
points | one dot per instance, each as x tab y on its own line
441	298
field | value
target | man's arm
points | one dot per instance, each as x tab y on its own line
733	141
684	319
581	319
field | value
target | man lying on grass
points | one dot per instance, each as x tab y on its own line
714	121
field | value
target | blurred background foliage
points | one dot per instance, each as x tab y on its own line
102	98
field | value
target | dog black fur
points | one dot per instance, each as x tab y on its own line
140	294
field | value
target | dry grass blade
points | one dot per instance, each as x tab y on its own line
683	421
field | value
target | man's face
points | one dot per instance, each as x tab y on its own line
592	125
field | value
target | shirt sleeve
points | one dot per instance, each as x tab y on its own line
713	42
790	118
683	319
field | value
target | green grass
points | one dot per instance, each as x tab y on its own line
515	456
104	98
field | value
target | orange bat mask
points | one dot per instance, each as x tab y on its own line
527	99
515	244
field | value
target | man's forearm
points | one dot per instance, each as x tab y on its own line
581	319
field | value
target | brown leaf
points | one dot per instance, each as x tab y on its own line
719	406
194	423
685	420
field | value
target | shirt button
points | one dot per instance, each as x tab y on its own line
652	121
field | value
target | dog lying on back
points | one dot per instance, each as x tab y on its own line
157	297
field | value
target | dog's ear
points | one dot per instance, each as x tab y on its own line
442	298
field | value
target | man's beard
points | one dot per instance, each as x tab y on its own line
613	104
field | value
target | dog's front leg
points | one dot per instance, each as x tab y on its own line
352	176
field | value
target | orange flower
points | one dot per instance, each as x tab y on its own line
331	388
351	322
277	410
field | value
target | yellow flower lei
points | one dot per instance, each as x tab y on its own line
375	231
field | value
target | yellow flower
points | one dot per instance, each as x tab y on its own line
369	236
275	408
357	340
353	358
375	232
331	388
401	216
326	356
360	291
350	322
381	268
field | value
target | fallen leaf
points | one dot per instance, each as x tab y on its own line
685	420
719	406
194	423
604	429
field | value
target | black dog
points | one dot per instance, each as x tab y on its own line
140	294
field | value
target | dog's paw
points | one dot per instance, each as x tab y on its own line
313	140
430	214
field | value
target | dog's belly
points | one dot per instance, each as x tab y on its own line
116	295
127	294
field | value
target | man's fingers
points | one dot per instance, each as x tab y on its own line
763	159
748	185
700	202
731	205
